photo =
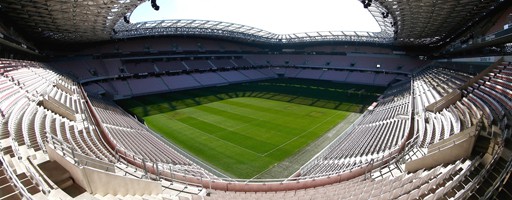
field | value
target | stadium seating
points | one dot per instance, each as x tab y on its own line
433	183
375	136
378	137
130	135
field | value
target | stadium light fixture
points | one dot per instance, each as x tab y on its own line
154	5
366	3
385	15
126	20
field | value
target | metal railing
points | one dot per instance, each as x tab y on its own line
38	177
59	145
479	178
78	158
15	181
493	189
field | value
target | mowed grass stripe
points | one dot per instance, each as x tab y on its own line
218	120
211	116
237	161
230	121
267	123
292	115
299	136
312	133
232	141
253	143
268	132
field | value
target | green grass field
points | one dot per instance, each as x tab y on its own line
245	136
243	129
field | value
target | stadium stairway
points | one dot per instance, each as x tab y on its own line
31	187
7	190
490	179
506	191
8	151
467	180
481	145
61	177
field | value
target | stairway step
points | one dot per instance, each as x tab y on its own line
7	189
54	171
13	196
64	183
26	182
22	176
33	190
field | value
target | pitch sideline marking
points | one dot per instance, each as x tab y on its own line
218	138
301	134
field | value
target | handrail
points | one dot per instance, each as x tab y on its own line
456	140
482	173
65	148
15	180
496	183
470	168
37	174
330	146
78	158
89	116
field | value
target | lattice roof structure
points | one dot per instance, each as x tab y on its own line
67	20
402	22
243	32
432	22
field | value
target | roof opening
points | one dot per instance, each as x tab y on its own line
280	17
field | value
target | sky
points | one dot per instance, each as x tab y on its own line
276	16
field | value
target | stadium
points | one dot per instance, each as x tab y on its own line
97	105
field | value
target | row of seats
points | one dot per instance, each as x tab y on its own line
91	69
376	135
202	45
15	186
492	93
151	85
436	183
430	85
356	62
27	124
184	65
129	135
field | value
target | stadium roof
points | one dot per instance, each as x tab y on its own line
282	17
416	22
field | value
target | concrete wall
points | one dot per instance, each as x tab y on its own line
57	107
94	163
74	170
64	88
482	74
102	182
445	102
448	150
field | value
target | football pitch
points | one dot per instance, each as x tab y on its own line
245	136
243	130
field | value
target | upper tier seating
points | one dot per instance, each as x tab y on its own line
26	124
376	134
430	85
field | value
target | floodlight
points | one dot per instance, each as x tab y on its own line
126	20
154	5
